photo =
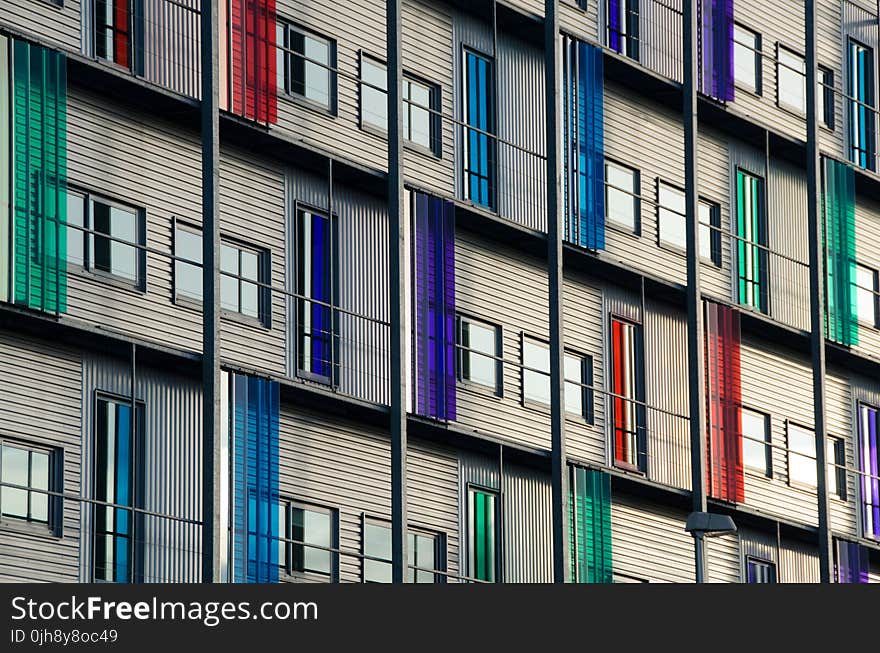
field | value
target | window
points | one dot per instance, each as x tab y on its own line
835	455
119	481
671	220
479	343
747	59
622	196
756	442
860	105
627	409
35	468
316	329
115	250
308	525
306	66
869	486
241	272
867	295
760	571
188	272
482	513
113	31
710	232
479	116
825	95
424	551
801	455
623	27
421	127
791	80
578	372
751	241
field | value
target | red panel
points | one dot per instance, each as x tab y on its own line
618	386
120	32
252	49
724	404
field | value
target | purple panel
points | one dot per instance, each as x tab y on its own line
434	305
873	483
716	48
852	562
614	40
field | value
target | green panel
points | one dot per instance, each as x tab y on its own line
483	535
838	204
40	187
751	258
5	168
590	530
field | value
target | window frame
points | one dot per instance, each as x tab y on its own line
757	50
476	386
588	409
53	526
763	249
333	219
497	517
332	107
287	569
852	151
440	550
491	134
130	47
767	444
715	256
789	452
789	69
659	208
875	323
88	234
636	229
827	97
641	426
769	564
839	447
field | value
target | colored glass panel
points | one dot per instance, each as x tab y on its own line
852	562
628	414
841	291
751	242
482	534
250	72
860	105
868	465
480	146
590	526
716	48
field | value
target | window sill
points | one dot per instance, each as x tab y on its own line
300	576
306	103
626	467
754	93
624	229
28	528
539	407
108	279
792	111
480	389
244	320
408	145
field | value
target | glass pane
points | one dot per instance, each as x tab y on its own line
802	455
419	126
536	386
317	76
282	532
792	80
744	54
377	543
374	102
188	277
15	471
75	237
114	256
831	460
480	339
620	198
574	394
39	481
228	284
671	216
706	231
317	531
754	439
867	300
423	555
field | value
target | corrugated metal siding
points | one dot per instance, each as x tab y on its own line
840	410
649	541
582	311
363	283
765	370
798	562
39	403
172	45
46	21
172	464
509	289
666	383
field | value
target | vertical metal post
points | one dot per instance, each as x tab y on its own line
817	276
555	292
397	255
694	305
211	296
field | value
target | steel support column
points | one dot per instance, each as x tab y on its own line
696	402
211	459
817	289
555	290
397	255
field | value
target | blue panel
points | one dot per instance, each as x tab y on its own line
479	178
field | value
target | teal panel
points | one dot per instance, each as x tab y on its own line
838	208
590	526
5	168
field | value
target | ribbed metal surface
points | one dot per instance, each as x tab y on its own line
723	559
798	562
172	44
39	404
842	390
172	464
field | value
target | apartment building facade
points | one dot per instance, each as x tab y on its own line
352	399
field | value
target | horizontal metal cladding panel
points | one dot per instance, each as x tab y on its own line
868	254
666	383
122	153
722	559
531	7
582	312
788	237
840	407
642	134
778	22
777	383
798	562
713	183
252	213
522	173
172	464
426	49
829	52
509	290
346	466
40	404
44	21
649	541
582	22
364	346
527	526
